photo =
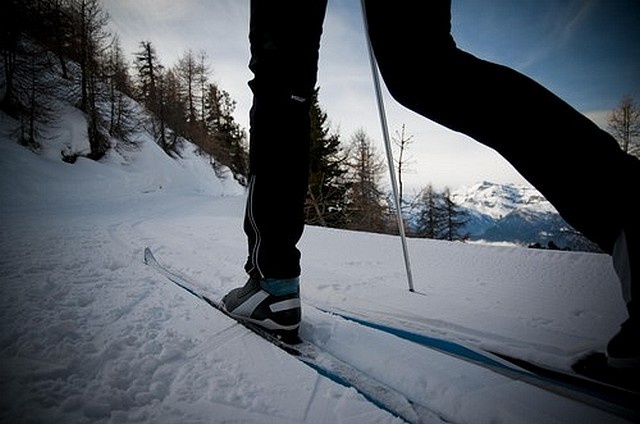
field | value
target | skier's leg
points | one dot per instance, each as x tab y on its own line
623	349
285	41
577	166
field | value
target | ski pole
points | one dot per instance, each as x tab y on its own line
387	145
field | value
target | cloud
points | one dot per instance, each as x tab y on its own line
600	117
572	20
176	26
559	26
218	28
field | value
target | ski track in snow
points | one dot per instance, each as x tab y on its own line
89	334
95	336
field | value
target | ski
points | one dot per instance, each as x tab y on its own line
185	284
593	375
622	401
322	362
623	404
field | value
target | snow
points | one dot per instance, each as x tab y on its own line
90	334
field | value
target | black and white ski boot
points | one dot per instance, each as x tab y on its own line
270	303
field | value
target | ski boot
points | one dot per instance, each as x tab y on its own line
273	304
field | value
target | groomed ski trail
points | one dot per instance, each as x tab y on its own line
322	362
447	380
618	400
87	336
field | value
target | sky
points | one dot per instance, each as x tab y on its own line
585	51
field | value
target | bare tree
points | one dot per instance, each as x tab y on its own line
188	72
116	75
202	79
366	207
169	113
33	94
27	92
11	27
624	124
402	142
91	22
55	28
192	72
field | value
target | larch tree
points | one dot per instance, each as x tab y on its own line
367	209
624	124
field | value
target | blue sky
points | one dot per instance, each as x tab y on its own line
586	51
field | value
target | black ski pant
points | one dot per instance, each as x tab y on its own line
285	40
577	166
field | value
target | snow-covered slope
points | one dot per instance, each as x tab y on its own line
88	333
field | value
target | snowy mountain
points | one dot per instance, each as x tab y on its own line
513	214
499	200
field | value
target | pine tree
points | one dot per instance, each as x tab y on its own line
431	218
455	219
325	202
153	89
148	69
439	217
226	139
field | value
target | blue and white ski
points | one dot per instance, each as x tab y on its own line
614	400
620	400
324	363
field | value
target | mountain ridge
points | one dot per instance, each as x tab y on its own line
518	214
